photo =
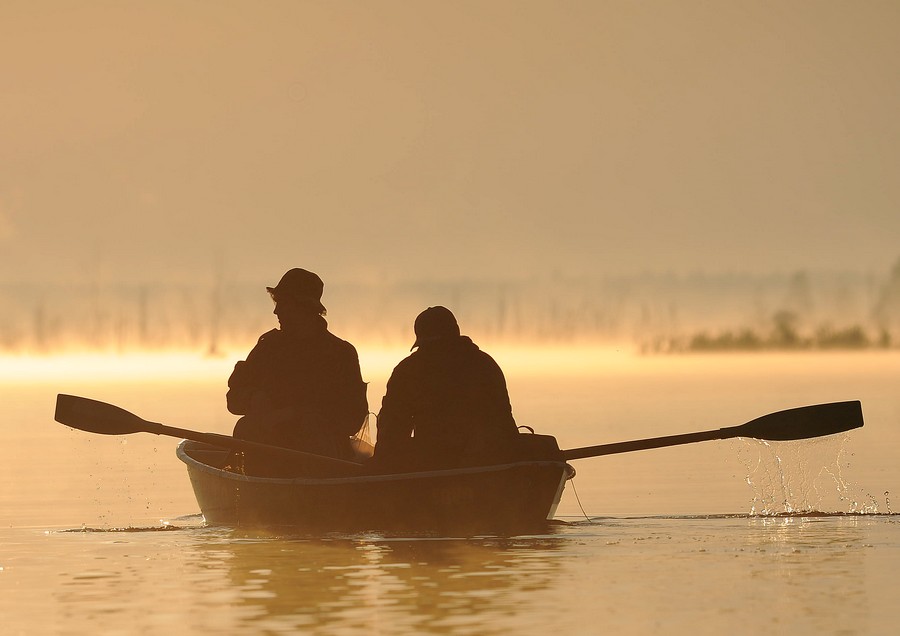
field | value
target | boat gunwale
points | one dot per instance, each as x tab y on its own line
194	463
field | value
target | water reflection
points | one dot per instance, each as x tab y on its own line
381	584
816	562
831	573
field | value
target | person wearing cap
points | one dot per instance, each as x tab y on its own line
446	404
301	386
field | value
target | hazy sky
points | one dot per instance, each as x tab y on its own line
150	140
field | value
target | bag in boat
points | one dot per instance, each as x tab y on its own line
530	446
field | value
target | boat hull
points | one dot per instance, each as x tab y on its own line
511	498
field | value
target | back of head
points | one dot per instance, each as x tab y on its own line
300	286
435	324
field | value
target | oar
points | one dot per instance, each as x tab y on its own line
799	423
94	416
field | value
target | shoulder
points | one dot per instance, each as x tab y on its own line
268	342
484	362
334	352
470	349
273	335
339	344
408	367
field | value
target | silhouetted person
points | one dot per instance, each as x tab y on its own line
300	386
446	404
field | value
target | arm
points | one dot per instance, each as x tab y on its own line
240	389
352	406
495	398
395	420
246	383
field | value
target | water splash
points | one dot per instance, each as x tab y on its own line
804	477
165	527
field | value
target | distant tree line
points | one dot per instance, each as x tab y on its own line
657	313
783	330
783	335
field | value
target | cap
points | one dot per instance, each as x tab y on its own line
300	285
435	323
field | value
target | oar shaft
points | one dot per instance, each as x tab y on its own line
641	444
331	464
802	422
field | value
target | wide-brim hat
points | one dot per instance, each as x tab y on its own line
301	286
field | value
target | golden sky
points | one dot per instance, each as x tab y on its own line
470	139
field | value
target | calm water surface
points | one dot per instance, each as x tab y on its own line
101	534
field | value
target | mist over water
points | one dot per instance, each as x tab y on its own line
652	313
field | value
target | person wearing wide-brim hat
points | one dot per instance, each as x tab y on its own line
446	404
301	386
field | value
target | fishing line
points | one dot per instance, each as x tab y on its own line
578	499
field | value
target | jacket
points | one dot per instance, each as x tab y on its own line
447	405
314	377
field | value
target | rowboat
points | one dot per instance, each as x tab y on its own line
335	496
514	498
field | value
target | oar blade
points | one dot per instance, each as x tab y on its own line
804	422
94	416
